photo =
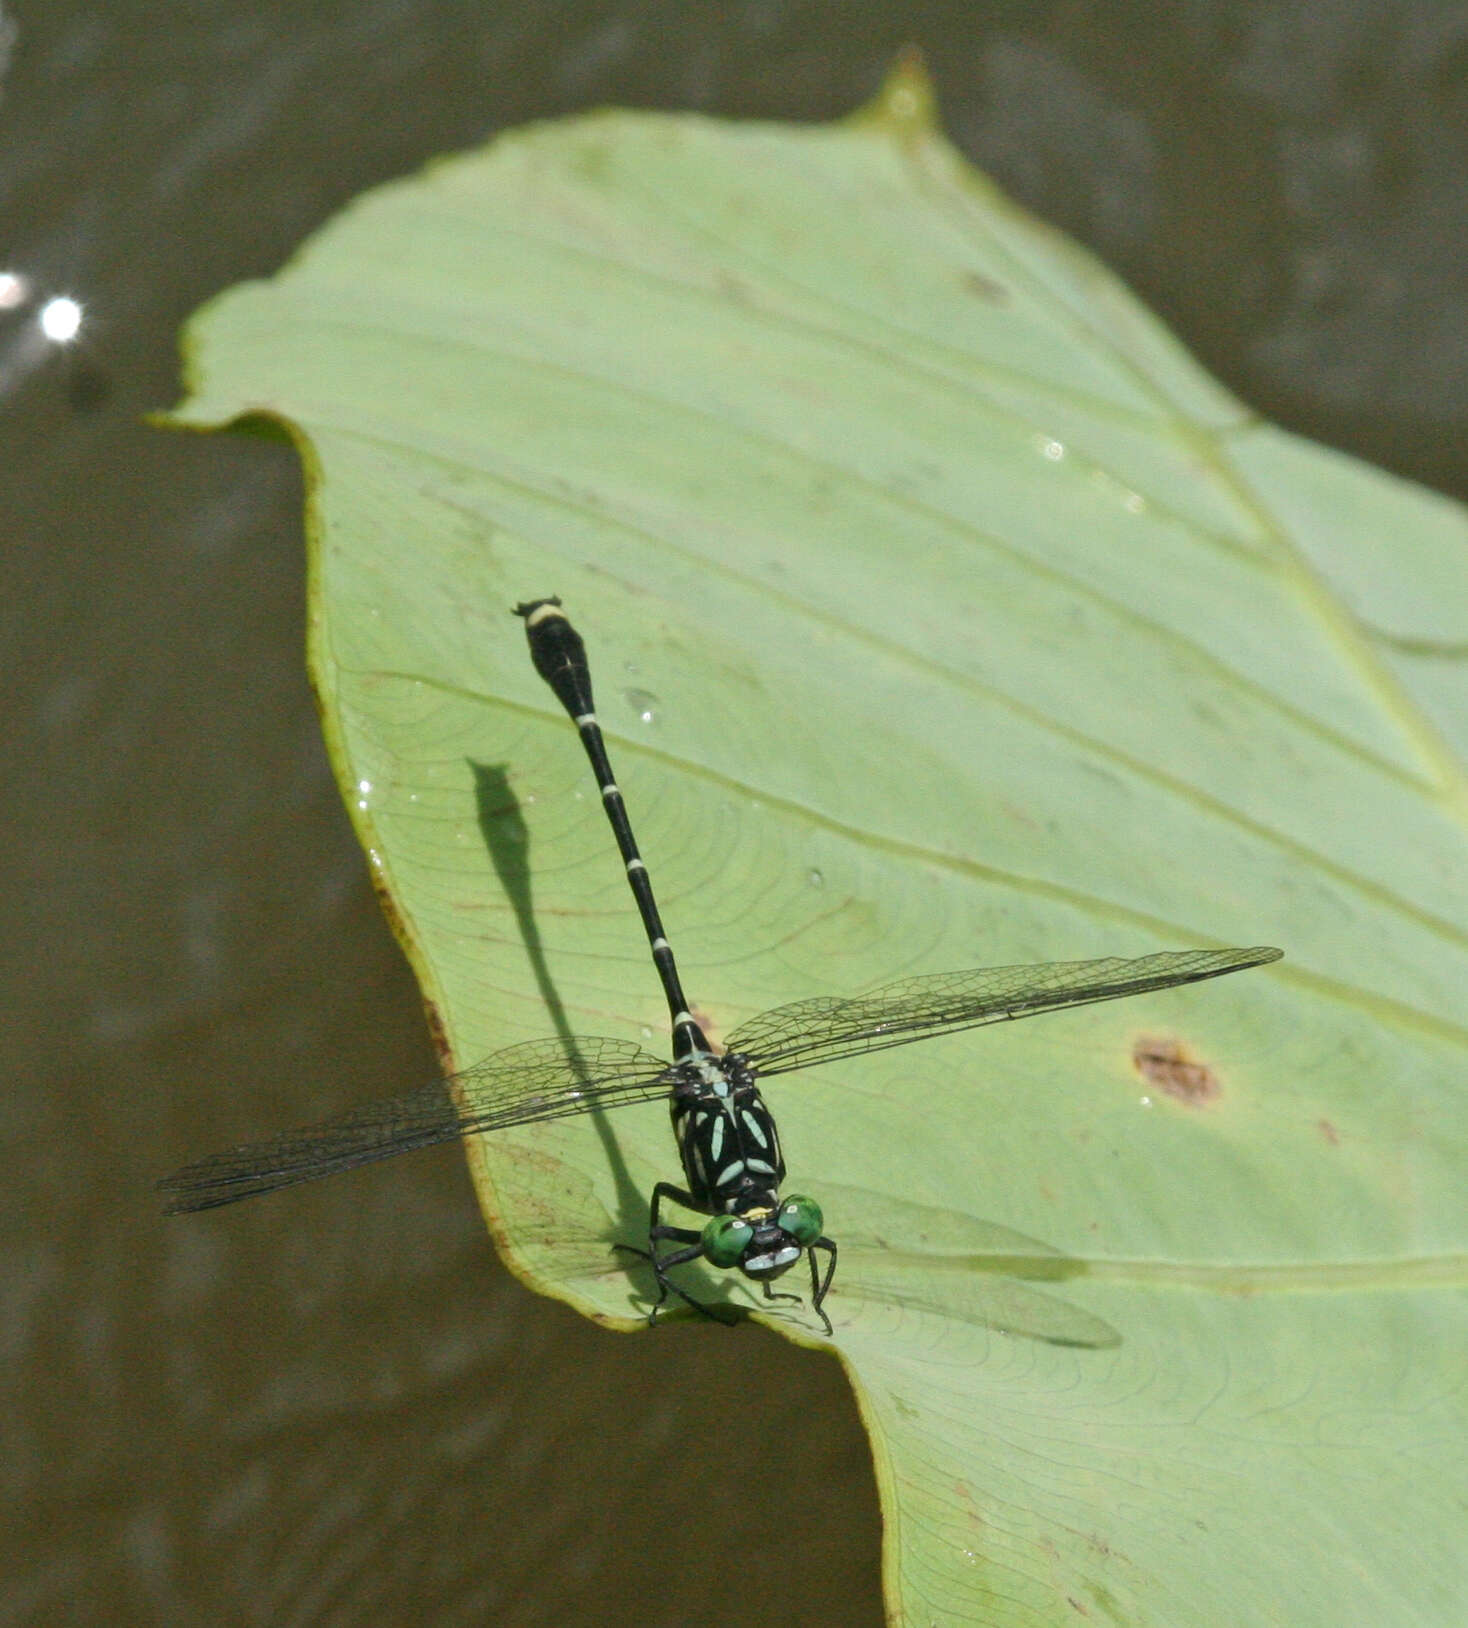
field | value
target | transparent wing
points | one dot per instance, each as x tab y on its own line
824	1030
544	1079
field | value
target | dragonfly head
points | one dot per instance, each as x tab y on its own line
763	1240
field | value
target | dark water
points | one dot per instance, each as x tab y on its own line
335	1407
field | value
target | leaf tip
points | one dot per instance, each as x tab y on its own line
907	105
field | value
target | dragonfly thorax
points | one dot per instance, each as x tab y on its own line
726	1135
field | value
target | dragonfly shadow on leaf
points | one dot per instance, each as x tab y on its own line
507	841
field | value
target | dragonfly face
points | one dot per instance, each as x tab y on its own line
764	1240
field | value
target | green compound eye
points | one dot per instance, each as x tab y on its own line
724	1240
801	1218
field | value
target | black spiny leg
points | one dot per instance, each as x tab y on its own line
658	1232
818	1284
675	1195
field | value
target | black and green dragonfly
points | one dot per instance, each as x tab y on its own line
733	1168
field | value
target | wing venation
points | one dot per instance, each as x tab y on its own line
543	1079
826	1029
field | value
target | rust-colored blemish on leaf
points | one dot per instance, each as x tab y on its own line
1165	1062
388	905
1329	1132
437	1033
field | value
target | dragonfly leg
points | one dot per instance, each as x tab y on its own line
660	1265
778	1294
665	1189
659	1232
819	1285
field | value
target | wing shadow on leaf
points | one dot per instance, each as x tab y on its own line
902	1257
950	1265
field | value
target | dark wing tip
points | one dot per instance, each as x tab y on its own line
181	1197
208	1185
183	1203
175	1189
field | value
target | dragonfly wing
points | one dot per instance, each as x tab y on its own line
543	1079
823	1030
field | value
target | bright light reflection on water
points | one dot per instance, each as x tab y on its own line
61	319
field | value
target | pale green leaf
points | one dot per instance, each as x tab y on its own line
943	613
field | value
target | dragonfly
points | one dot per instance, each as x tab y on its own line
728	1144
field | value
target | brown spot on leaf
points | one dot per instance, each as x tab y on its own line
1329	1132
1165	1062
986	288
706	1022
